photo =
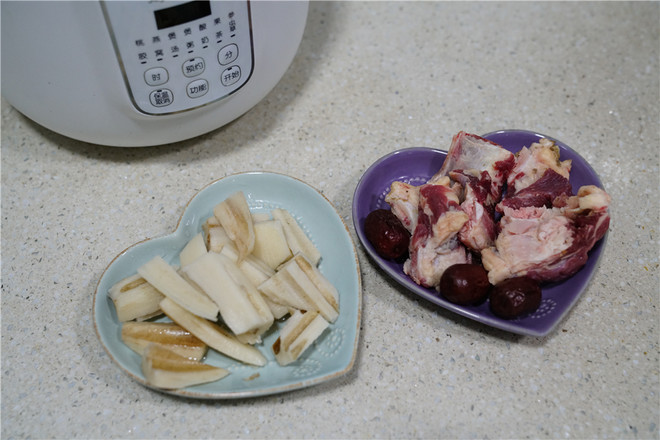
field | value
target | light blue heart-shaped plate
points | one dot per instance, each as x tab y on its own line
332	355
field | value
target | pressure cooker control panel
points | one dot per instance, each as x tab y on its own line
177	56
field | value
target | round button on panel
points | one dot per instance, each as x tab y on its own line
156	76
197	88
161	97
228	54
193	67
230	75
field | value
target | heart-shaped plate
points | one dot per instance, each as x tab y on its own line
331	356
416	166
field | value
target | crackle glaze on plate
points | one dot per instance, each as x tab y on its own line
332	355
416	166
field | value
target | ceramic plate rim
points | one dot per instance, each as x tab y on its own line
185	221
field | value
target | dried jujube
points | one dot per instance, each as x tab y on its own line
515	297
465	284
387	234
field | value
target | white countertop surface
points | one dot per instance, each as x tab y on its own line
369	78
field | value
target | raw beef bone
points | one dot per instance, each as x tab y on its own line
454	209
548	244
434	244
469	152
432	214
480	230
538	177
481	167
545	233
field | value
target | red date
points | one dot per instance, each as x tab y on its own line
465	284
515	297
387	234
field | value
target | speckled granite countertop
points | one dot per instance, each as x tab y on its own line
369	78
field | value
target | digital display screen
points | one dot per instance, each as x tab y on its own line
183	13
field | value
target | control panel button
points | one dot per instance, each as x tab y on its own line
161	97
197	88
170	56
230	75
193	67
156	76
228	54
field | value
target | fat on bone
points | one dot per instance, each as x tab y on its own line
403	199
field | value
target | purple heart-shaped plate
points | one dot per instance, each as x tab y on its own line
416	166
